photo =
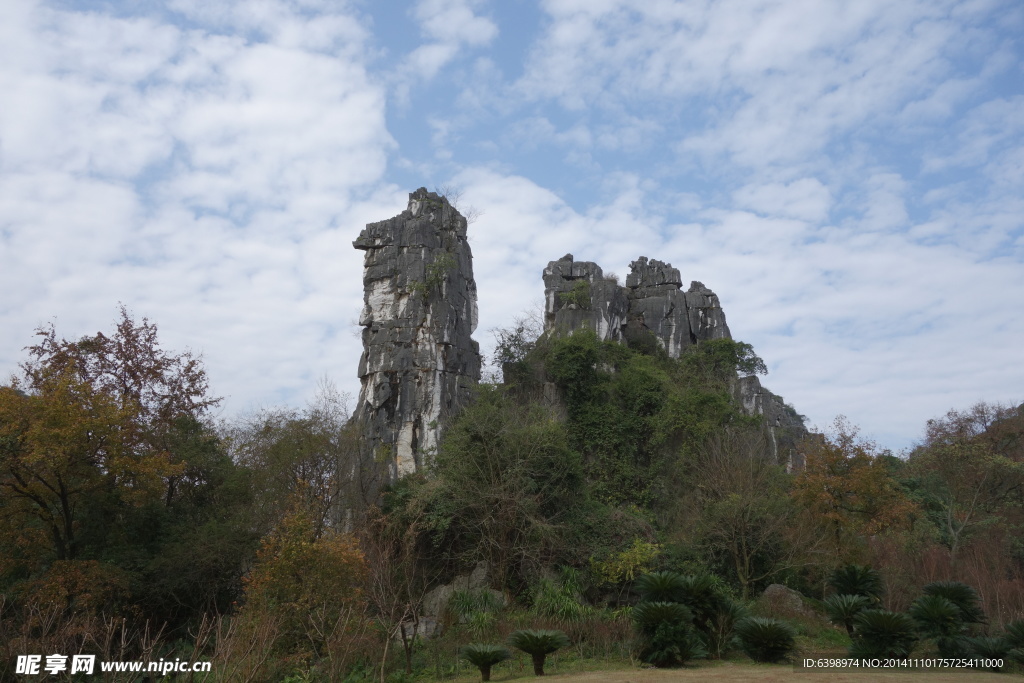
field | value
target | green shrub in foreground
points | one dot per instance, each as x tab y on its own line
538	644
766	640
484	657
880	634
843	609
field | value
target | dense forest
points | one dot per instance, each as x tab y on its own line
615	498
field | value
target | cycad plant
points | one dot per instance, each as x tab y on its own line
994	649
843	609
855	579
484	657
881	634
766	640
538	644
939	618
961	595
721	631
661	587
668	636
1015	637
701	594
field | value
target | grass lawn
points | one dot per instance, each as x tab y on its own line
737	672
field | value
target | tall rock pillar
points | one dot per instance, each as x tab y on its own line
419	361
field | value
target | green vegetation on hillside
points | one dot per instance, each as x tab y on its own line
612	494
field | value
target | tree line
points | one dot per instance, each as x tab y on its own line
266	541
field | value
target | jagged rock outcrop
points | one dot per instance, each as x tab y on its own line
784	426
419	361
577	294
653	304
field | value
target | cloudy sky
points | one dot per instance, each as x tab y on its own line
847	176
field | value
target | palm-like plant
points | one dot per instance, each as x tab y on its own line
938	617
538	644
672	644
661	587
667	633
721	631
854	579
766	640
994	649
1015	633
880	634
961	595
843	609
484	657
650	615
702	596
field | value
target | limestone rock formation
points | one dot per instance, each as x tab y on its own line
419	361
577	294
653	304
784	426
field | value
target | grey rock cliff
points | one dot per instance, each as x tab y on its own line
419	361
783	425
577	294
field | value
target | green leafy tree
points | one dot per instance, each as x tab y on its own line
744	518
506	487
971	466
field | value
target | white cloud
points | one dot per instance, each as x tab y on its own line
211	182
449	26
806	199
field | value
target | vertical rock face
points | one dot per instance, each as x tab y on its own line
419	361
577	294
783	425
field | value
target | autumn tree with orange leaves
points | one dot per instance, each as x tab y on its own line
847	486
99	438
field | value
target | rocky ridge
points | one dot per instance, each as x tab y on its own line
653	305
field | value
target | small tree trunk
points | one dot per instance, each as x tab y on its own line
538	664
485	672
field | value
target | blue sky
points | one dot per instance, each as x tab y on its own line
848	177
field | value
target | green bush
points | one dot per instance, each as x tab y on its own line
989	648
939	618
721	633
484	657
648	616
766	640
879	634
672	644
1015	633
538	644
961	595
